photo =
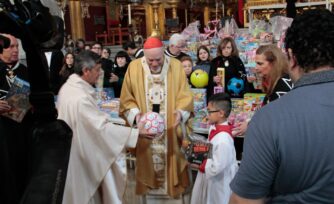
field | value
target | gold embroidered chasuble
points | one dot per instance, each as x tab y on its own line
161	167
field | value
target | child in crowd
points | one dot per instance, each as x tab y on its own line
203	59
187	64
106	52
88	47
122	61
215	174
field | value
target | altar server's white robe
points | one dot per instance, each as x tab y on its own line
213	186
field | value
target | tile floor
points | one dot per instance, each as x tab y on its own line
131	198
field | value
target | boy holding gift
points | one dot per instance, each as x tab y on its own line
215	174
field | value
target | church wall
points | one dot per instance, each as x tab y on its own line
94	24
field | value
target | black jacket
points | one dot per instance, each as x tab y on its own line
234	68
56	63
18	70
168	53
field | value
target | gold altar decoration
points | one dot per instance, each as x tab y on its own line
173	4
85	9
156	31
262	2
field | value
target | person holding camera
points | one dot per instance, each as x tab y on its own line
13	144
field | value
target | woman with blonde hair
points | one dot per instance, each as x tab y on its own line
271	65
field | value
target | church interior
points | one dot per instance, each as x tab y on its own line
115	21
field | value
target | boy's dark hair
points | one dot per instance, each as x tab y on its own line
129	44
311	38
222	101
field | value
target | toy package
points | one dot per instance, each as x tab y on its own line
197	148
230	28
18	99
200	120
192	49
259	26
192	31
199	95
253	102
104	94
247	56
237	113
255	77
110	106
221	73
279	25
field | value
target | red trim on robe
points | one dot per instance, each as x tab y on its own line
202	166
213	133
220	128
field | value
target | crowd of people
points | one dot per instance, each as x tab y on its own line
287	154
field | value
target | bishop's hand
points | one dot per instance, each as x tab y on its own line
178	117
144	133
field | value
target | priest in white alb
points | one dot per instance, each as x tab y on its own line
97	168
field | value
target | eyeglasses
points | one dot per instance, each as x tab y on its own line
98	48
212	111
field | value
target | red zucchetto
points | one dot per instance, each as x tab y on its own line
152	42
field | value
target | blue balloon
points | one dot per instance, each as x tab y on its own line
235	86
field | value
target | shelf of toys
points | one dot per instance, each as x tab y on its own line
214	31
242	109
247	41
260	9
109	104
